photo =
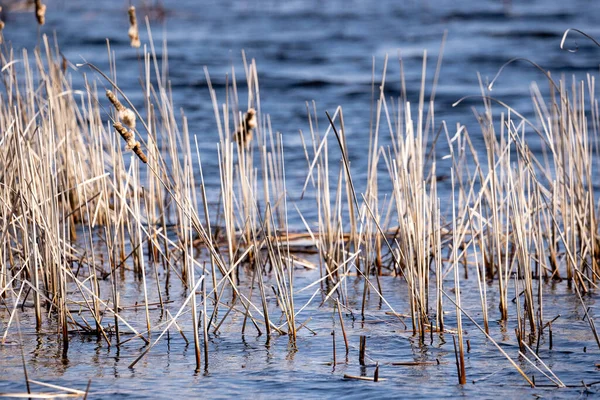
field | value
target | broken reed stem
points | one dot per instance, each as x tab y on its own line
333	341
205	324
459	367
514	364
362	349
342	325
364	378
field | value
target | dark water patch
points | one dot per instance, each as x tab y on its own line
524	34
548	16
478	16
312	84
304	59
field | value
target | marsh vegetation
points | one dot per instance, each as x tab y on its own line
109	230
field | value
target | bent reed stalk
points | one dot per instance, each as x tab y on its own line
77	211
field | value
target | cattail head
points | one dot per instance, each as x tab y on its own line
128	117
125	133
132	144
125	114
244	133
250	118
134	34
114	101
40	12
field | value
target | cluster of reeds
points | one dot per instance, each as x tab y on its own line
77	211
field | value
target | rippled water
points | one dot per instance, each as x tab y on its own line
253	365
307	50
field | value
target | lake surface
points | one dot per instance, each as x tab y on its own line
253	366
305	51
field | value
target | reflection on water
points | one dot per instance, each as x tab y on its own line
256	365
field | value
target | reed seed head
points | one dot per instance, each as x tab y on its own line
133	33
125	133
132	144
40	12
126	115
250	118
115	102
244	133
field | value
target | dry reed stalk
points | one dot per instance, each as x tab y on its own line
363	378
205	322
439	281
333	343
189	264
513	363
342	325
481	275
138	240
209	229
552	377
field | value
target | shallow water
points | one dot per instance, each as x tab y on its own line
309	51
253	365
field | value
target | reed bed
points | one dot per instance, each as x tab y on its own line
97	190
